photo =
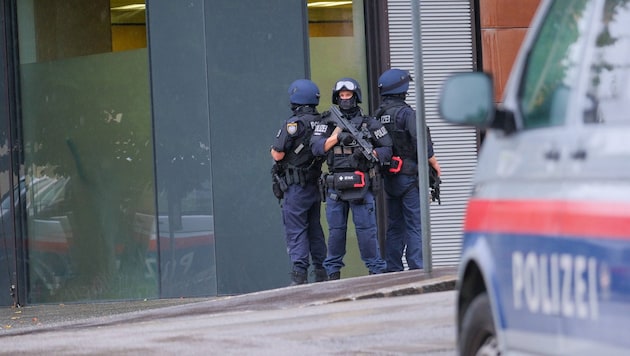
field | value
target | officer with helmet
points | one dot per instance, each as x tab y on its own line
401	183
347	163
300	170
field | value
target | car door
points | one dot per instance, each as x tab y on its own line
596	216
525	179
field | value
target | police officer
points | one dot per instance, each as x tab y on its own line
301	171
401	187
347	164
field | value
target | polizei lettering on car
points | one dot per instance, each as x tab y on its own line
545	264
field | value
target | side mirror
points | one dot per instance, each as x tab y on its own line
468	99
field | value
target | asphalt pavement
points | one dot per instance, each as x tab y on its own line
38	318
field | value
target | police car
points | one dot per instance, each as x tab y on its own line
545	265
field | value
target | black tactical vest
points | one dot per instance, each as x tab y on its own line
347	158
403	147
300	154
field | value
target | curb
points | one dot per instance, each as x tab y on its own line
441	284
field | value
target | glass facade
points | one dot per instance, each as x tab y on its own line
88	180
116	142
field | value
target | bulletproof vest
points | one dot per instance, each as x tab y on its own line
300	154
347	158
403	147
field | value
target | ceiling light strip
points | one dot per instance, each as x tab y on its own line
329	3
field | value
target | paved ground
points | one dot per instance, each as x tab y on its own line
37	318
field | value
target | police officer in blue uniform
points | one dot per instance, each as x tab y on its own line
300	170
346	163
401	183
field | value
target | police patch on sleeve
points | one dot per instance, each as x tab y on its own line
292	128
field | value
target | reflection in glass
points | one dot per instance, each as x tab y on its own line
186	242
88	161
608	96
553	64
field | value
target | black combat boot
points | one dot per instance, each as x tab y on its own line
298	278
320	275
334	276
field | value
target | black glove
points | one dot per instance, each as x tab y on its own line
354	160
345	138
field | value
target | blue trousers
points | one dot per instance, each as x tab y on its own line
403	222
364	218
303	230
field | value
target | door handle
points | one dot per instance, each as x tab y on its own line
553	154
579	154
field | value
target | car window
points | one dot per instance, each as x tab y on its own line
552	65
197	201
608	95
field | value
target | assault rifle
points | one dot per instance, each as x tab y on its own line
366	148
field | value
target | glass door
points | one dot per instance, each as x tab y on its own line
337	45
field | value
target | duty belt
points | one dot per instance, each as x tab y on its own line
295	175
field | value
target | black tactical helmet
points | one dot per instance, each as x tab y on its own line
346	84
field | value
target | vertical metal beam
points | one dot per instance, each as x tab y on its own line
421	130
13	221
377	48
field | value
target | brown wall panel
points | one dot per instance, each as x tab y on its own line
500	48
507	13
504	24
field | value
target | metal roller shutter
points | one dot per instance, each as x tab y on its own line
447	47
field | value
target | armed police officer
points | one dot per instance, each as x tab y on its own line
401	184
299	171
354	146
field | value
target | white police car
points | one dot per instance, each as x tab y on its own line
545	266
